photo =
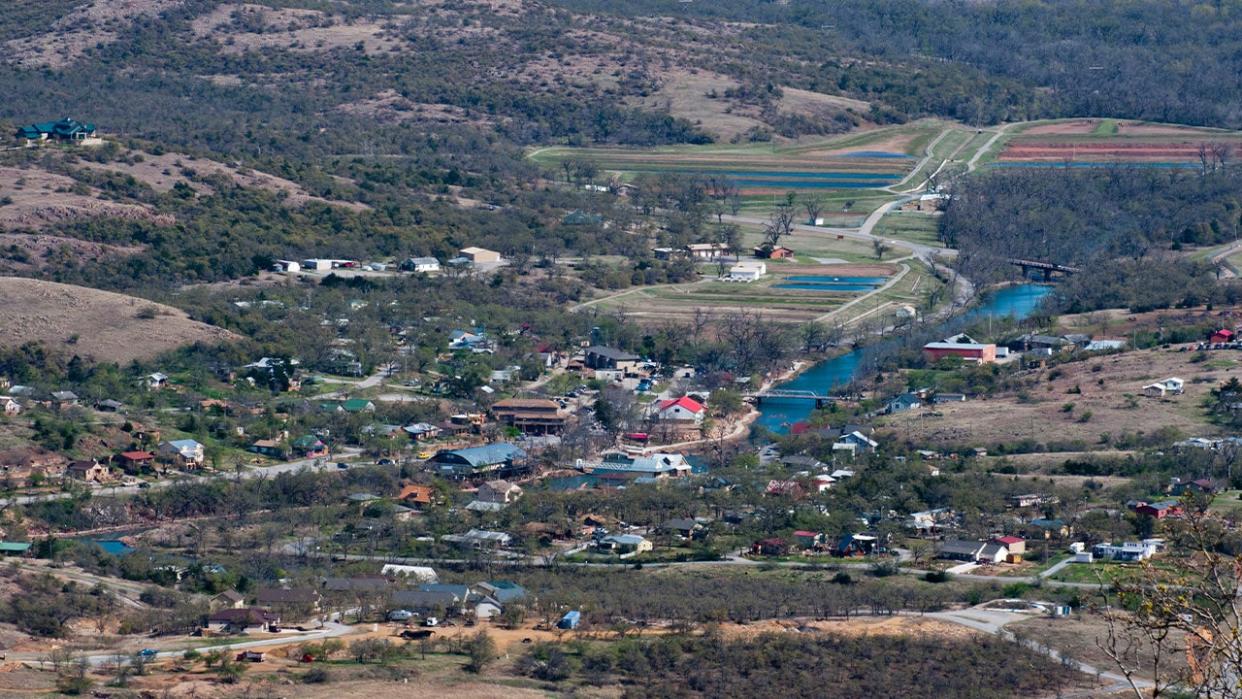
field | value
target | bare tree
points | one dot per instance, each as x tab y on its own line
814	207
1191	612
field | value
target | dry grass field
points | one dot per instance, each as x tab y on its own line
40	198
1111	402
97	325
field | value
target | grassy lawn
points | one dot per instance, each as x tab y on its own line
910	226
1106	127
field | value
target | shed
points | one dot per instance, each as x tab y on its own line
570	620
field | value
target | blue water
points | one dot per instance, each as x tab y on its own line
1019	301
835	288
809	184
830	284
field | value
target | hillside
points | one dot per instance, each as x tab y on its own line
93	324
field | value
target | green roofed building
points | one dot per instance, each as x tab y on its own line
11	548
358	405
68	130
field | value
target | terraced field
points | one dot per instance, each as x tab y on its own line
1086	143
863	161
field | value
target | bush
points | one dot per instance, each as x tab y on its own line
937	576
316	675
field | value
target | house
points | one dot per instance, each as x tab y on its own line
599	357
957	550
134	461
421	264
475	461
1130	551
684	528
940	398
531	415
64	399
499	491
295	599
624	544
767	252
993	552
229	599
308	446
479	255
1049	528
707	251
746	271
903	403
478	343
286	266
358	405
684	409
418	496
360	585
968	351
1203	486
774	546
268	447
1170	386
1015	545
422	431
433	599
9	407
109	406
802	461
658	465
479	539
186	453
855	443
89	470
1222	336
156	381
503	591
1159	510
66	130
241	618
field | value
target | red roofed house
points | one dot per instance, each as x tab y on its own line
134	461
1221	336
791	489
684	409
1016	546
968	351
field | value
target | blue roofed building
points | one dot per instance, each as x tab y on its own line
489	459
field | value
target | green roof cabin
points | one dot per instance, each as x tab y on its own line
65	130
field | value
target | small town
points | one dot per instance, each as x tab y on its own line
549	348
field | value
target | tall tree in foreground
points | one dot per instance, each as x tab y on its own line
1181	625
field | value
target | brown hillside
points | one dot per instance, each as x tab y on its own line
108	326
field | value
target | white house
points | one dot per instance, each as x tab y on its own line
421	264
8	406
1128	551
1171	386
855	442
684	409
183	452
156	381
747	271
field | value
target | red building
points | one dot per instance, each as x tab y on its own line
1159	510
968	351
1221	336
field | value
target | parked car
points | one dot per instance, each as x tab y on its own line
386	462
400	615
148	653
431	621
342	464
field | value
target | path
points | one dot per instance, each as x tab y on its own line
905	269
987	146
927	156
627	292
319	464
993	622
